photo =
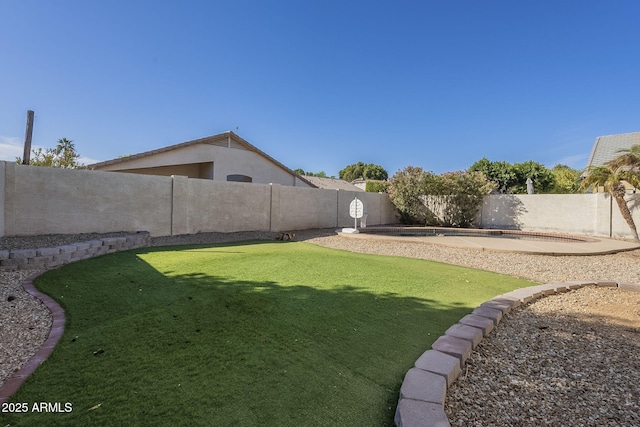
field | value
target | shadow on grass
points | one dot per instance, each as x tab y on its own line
151	347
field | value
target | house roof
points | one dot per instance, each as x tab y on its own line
607	147
214	140
332	183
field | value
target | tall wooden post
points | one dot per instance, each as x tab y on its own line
26	157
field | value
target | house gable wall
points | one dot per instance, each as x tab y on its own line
188	161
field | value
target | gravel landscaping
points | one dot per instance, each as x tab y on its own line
569	359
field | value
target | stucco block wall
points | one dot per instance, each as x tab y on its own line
619	227
37	200
297	208
210	206
378	208
42	200
590	214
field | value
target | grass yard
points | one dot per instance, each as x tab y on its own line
244	334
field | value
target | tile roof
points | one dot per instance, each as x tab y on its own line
332	183
607	148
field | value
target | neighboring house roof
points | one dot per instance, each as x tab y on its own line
332	183
214	139
607	148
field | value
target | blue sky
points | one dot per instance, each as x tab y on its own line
318	84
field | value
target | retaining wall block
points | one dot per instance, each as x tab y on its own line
54	264
525	295
484	324
424	386
63	257
81	246
547	289
607	284
67	249
95	243
441	364
47	251
40	260
22	253
415	413
456	347
78	254
634	287
4	255
466	332
9	264
489	313
503	304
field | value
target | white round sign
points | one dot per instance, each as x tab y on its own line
356	209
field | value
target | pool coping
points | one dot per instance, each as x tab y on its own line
424	388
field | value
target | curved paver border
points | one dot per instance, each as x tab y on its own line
14	382
424	388
80	251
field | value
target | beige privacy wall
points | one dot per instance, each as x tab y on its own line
590	214
37	200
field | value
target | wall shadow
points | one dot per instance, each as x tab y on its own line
504	212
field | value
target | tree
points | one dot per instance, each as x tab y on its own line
566	179
406	190
500	173
451	199
510	178
320	174
364	171
454	198
62	156
611	176
543	179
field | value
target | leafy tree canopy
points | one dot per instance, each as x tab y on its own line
364	171
64	156
500	173
567	180
451	199
512	178
320	174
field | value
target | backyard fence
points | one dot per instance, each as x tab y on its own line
39	200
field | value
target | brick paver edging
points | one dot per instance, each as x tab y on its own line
110	245
423	391
23	259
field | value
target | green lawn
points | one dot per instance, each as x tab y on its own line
255	333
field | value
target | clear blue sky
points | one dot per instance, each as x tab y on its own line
319	84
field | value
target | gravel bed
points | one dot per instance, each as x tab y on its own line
549	363
554	363
25	321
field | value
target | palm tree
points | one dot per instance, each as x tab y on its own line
612	175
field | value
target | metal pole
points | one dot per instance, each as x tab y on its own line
26	157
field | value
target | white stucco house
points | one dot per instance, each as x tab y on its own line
222	157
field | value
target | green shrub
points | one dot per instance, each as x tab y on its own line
376	186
